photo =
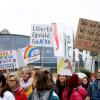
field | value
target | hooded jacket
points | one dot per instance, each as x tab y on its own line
79	93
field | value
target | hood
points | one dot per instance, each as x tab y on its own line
82	91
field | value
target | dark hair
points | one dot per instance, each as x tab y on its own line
85	85
59	87
58	81
4	85
43	80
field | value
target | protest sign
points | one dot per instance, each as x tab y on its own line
88	35
42	35
30	54
8	59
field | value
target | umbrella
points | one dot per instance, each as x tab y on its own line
81	75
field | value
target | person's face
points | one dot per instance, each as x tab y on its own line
25	75
98	74
12	82
92	78
62	78
85	81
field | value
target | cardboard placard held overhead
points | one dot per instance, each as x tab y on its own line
88	35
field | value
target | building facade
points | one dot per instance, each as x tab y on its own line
15	42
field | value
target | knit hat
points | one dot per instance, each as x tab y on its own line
81	75
73	81
65	71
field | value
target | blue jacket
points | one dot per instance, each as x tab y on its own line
94	90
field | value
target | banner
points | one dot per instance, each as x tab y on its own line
59	40
30	54
8	59
69	43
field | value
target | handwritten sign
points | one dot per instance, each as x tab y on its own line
42	35
88	35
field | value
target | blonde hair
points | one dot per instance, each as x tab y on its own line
27	70
16	79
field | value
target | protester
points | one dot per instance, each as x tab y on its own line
26	81
94	88
85	82
92	78
5	92
43	86
16	88
61	83
76	91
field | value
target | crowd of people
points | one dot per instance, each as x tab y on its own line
39	85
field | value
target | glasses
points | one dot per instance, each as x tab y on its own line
11	80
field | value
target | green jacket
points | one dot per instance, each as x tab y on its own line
53	96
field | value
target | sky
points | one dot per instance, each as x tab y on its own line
18	15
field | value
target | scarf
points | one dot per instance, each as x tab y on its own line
40	95
17	90
26	85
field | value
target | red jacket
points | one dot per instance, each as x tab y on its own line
79	94
20	95
65	94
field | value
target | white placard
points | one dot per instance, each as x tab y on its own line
8	59
30	54
42	35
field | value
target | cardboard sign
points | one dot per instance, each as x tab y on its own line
88	35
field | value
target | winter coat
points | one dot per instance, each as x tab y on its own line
29	91
53	96
64	95
79	93
7	96
94	91
20	95
44	95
